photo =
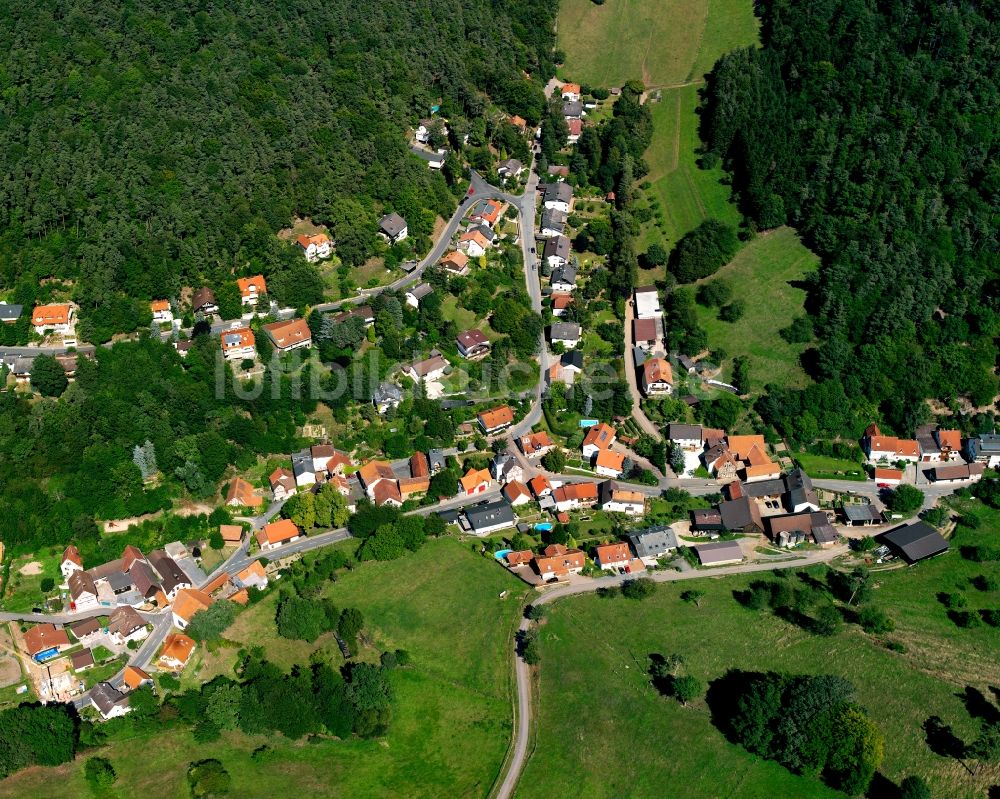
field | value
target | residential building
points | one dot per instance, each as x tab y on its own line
657	377
10	313
565	333
419	465
43	641
238	344
516	493
315	247
511	168
253	576
241	494
644	333
505	467
557	251
176	652
392	227
563	278
474	243
957	473
125	624
55	318
888	448
560	301
557	562
386	492
557	196
600	436
292	334
571	92
520	123
373	473
423	132
161	311
496	419
362	312
612	556
914	542
437	460
71	561
431	368
535	445
540	486
653	543
574	129
486	212
719	553
327	458
487	519
456	262
553	223
887	478
415	294
283	484
573	496
84	631
433	159
985	449
387	396
686	436
82	660
108	701
302	468
82	591
609	463
134	678
172	577
615	499
572	109
277	534
203	302
413	486
647	303
476	481
188	602
251	289
473	344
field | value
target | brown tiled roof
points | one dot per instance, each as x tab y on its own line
497	417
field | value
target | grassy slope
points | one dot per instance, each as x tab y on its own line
452	719
603	731
761	274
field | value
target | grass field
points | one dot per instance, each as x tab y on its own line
821	467
604	732
761	274
452	717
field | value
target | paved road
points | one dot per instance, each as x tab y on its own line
640	417
522	721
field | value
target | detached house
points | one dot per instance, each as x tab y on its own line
456	262
251	289
487	519
188	602
277	534
430	369
291	335
203	301
600	436
511	168
495	420
392	227
574	496
176	652
644	333
878	447
535	445
125	624
612	556
315	247
657	377
557	562
505	468
55	318
574	128
373	473
473	344
609	463
571	92
82	591
109	701
563	278
516	493
387	396
417	293
474	243
565	333
557	251
612	498
71	561
553	223
486	212
557	197
161	311
238	344
241	494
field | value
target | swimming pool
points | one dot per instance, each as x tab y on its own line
543	527
500	554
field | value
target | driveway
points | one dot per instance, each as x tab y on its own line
641	419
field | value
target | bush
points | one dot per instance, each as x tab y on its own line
986	582
964	618
100	774
208	778
876	621
800	331
47	584
914	787
702	251
715	293
990	616
905	499
733	312
639	588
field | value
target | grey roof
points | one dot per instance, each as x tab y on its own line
926	439
171	575
653	542
125	620
572	108
774	487
862	513
120	581
10	313
421	290
800	489
427	156
738	514
503	463
22	365
435	458
558	192
490	515
105	696
392	225
557	247
985	444
554	219
302	462
143	578
719	551
564	274
485	231
823	532
511	165
572	358
915	541
638	356
388	392
676	431
568	331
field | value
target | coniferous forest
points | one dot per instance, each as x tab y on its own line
872	128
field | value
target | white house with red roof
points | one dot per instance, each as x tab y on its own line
315	247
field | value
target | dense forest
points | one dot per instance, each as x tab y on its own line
150	146
872	128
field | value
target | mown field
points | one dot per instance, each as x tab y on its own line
762	274
604	732
451	721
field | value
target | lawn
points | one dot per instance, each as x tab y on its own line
596	705
452	717
762	275
821	467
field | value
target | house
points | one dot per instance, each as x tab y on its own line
476	481
486	212
413	486
556	251
888	448
612	498
417	293
574	496
473	344
362	312
10	313
983	449
540	486
647	303
327	458
520	123
474	243
557	562
71	561
283	486
957	473
563	278
392	227
429	369
487	519
495	420
571	92
644	333
373	473
386	492
612	556
84	631
125	624
558	171
653	543
277	534
719	553
535	445
176	652
240	494
436	459
82	591
686	436
251	289
887	478
302	468
511	168
938	444
600	436
572	109
423	132
161	311
557	196
183	346
565	333
433	159
54	318
82	660
519	557
172	577
505	467
188	602
44	641
608	463
387	396
456	262
134	678
861	515
516	493
914	542
553	223
292	334
560	301
253	576
758	466
203	302
419	465
238	344
741	515
799	492
657	377
574	129
108	701
315	247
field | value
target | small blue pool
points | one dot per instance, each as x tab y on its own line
500	554
543	527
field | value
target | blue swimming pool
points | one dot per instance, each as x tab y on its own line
543	527
500	554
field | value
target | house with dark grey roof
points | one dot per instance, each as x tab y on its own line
393	228
800	492
416	293
565	333
914	542
653	543
434	160
741	515
10	313
302	468
553	222
436	460
510	168
563	278
572	360
861	514
386	396
556	251
486	519
687	436
557	196
109	701
573	109
983	449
